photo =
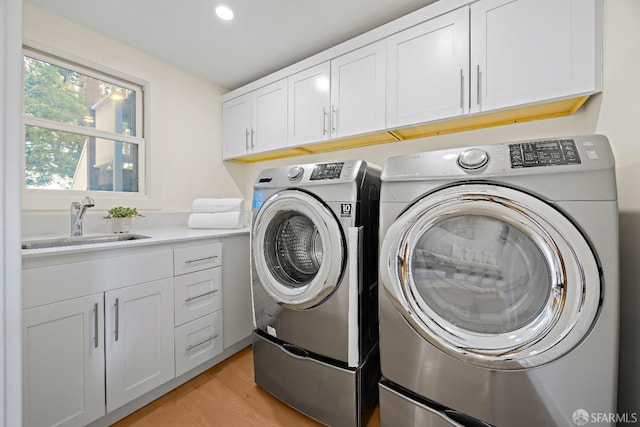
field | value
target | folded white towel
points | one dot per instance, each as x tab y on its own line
217	205
233	219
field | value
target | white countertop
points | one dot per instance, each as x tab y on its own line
156	236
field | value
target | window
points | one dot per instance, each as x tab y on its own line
83	128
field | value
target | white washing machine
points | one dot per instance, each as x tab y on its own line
314	281
499	285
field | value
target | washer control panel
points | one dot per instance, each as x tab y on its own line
544	153
324	171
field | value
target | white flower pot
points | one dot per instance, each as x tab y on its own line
120	225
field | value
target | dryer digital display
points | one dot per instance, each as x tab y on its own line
326	171
544	153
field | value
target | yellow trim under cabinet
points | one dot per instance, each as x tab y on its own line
517	115
477	121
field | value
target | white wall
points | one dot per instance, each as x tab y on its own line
185	133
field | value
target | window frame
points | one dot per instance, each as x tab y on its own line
47	199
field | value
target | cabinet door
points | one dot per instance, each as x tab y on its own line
309	109
269	117
236	126
358	91
428	69
139	340
525	51
63	363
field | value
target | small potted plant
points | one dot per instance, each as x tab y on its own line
120	218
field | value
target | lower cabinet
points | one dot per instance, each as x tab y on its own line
63	362
139	340
104	328
70	347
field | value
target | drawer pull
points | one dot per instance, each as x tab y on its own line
201	295
191	347
189	261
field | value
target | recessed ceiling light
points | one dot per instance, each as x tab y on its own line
224	12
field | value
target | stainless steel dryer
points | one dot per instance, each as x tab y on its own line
314	282
499	285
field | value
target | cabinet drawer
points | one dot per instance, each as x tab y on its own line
198	341
197	294
196	258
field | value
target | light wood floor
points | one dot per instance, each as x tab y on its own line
223	396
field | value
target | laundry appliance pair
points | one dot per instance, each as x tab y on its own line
497	286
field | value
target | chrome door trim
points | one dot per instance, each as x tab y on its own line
574	294
333	263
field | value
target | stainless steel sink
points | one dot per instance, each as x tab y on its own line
81	240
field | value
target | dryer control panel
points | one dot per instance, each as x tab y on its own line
544	153
323	171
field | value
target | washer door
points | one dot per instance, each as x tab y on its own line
491	276
298	249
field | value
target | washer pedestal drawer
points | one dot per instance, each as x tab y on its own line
330	394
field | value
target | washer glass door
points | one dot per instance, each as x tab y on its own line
492	276
298	249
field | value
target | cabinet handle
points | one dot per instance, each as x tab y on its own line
246	139
462	89
478	91
116	332
95	325
324	121
253	145
334	119
191	347
201	295
189	261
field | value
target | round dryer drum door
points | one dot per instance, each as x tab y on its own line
298	249
491	276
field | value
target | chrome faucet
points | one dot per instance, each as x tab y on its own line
78	209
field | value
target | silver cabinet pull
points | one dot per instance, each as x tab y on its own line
478	91
201	295
116	332
324	121
462	89
246	139
191	347
95	325
253	144
189	261
334	119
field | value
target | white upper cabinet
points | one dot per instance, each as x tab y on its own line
255	122
527	51
446	61
269	117
428	70
310	105
339	98
236	126
358	91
